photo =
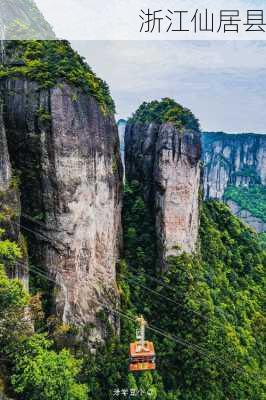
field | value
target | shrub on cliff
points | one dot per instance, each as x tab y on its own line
49	61
166	110
42	374
28	365
252	199
216	307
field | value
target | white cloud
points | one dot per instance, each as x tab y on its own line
222	82
119	19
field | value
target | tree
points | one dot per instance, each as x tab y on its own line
42	374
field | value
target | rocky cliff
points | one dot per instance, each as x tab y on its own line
236	161
10	209
65	149
21	20
5	166
166	160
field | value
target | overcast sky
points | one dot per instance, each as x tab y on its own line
222	82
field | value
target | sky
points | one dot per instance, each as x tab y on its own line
222	82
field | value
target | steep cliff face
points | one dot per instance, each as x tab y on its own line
10	208
177	181
234	160
5	166
67	155
257	223
166	160
238	159
21	19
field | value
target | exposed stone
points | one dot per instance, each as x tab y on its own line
167	163
5	166
10	209
247	217
67	154
177	183
237	160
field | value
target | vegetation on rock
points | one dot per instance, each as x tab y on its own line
29	366
23	20
252	199
216	307
208	306
213	322
50	61
166	110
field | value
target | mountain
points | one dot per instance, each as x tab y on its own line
235	172
21	20
197	293
164	158
63	146
192	268
10	209
92	254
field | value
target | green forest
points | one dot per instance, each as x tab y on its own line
205	313
251	198
210	304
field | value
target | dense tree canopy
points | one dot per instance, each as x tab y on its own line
28	365
251	198
166	110
43	374
49	61
209	307
213	302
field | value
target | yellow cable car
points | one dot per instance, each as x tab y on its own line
142	353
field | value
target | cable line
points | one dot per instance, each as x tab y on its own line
44	276
204	317
153	328
145	287
166	298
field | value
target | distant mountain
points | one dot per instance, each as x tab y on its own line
235	172
121	124
21	19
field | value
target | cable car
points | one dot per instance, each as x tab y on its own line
142	353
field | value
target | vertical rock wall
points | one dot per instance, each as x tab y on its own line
67	154
166	161
5	166
237	159
10	209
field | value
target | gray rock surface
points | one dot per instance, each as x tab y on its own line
234	159
5	166
121	124
167	163
247	217
237	159
22	20
10	209
67	155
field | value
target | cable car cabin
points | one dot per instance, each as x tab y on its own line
142	354
142	359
